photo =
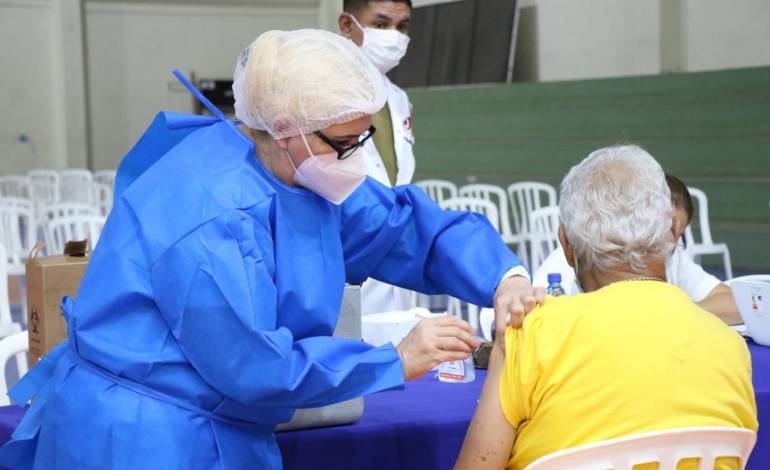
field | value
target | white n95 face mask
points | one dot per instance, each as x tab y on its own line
330	178
384	47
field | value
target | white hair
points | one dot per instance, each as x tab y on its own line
616	209
295	82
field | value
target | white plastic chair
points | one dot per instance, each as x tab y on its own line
496	195
45	184
64	209
665	447
57	211
7	325
486	321
438	190
102	197
18	186
474	204
17	232
525	197
706	246
45	188
16	346
60	230
489	210
105	177
545	234
75	185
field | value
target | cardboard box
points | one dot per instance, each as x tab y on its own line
346	412
50	278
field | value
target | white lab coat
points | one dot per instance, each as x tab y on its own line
377	296
681	271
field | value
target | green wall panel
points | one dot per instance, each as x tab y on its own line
710	129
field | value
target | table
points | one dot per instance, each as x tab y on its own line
423	427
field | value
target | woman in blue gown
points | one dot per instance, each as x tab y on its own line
206	314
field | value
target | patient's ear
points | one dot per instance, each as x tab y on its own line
566	246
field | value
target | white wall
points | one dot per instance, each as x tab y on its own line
727	34
27	81
597	38
132	49
609	38
84	77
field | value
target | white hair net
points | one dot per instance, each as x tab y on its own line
296	82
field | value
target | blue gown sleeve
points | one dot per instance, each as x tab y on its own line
402	237
215	289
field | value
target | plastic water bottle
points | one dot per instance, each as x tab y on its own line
554	285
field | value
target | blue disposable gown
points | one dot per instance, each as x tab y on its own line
206	314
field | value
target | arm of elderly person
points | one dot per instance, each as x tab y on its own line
490	437
402	237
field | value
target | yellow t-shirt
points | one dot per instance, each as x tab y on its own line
632	357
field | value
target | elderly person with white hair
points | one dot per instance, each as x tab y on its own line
206	314
632	354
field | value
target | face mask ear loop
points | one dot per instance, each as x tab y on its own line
288	157
576	267
288	154
353	17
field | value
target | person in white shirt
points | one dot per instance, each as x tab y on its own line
380	28
703	288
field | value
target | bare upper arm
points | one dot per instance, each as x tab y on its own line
490	436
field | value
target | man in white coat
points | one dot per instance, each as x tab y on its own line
380	28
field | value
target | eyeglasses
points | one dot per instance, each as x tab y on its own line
345	152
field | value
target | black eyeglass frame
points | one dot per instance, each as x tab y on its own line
345	152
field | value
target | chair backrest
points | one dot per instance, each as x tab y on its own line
526	196
77	186
16	346
105	177
5	302
496	195
103	194
17	228
438	190
76	174
473	204
489	210
59	210
60	230
665	447
64	209
18	186
486	321
701	218
545	234
44	174
45	186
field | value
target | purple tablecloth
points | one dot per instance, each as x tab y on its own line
421	427
424	426
760	363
